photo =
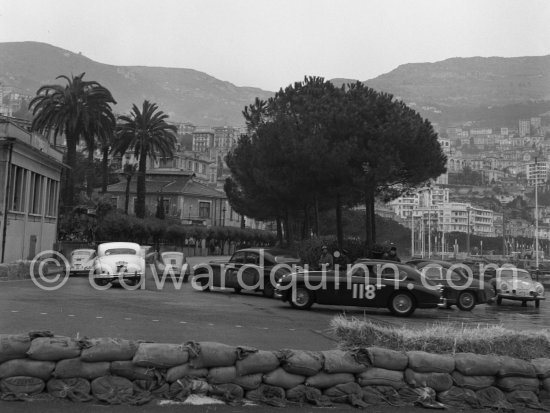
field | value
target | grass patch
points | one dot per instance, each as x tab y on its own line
442	338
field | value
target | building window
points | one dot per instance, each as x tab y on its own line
114	201
204	209
18	189
35	203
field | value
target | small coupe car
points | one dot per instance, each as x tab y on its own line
119	262
249	269
458	289
516	284
170	261
82	261
368	283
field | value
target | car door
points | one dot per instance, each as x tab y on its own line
230	270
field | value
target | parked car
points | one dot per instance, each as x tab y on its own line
117	261
516	284
82	261
174	260
258	263
369	283
458	289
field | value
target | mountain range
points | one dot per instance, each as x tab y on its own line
445	91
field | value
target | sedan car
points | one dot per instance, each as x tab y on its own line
516	284
173	262
82	261
119	262
368	283
250	269
459	288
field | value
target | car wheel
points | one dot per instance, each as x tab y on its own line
238	290
301	298
466	301
203	282
537	303
269	290
499	300
102	283
402	304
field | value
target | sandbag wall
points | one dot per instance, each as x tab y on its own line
118	371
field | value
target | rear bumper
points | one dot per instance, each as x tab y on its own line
521	297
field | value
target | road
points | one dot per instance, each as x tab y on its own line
178	315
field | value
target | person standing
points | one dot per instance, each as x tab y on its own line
326	261
391	255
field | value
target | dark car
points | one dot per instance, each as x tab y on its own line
249	269
458	289
368	283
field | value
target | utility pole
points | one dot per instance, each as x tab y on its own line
412	232
468	235
536	213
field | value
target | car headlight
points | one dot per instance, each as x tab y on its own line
539	289
504	287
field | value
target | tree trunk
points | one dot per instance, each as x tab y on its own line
317	216
339	229
141	189
369	224
305	228
105	168
71	161
127	200
90	174
280	231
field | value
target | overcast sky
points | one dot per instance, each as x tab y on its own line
272	43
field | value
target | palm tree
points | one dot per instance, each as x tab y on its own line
129	171
148	134
80	109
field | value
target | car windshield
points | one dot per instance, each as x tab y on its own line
285	258
120	251
82	253
515	274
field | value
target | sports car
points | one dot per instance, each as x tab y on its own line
368	283
516	284
82	261
459	288
119	262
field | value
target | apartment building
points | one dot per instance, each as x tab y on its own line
30	172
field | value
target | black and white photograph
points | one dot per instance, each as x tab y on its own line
274	205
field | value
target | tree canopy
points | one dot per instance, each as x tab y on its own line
314	146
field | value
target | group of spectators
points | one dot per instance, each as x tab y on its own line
326	260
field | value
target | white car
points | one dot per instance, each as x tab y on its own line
516	284
82	261
119	262
176	262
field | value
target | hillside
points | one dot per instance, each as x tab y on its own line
185	94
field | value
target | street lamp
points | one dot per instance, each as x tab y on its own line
223	216
536	214
369	212
468	234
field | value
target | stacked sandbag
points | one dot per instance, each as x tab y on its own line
296	365
475	371
208	354
54	348
430	370
160	355
387	369
516	374
542	369
74	389
14	346
107	349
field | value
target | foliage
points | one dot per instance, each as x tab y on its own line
79	110
147	133
466	177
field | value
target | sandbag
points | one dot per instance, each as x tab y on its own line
156	388
387	359
493	398
423	362
117	390
542	367
513	367
219	375
27	367
107	349
545	384
228	392
130	371
382	377
338	361
281	378
524	398
75	389
209	354
301	362
420	396
184	370
324	380
267	394
471	364
249	381
160	355
372	396
182	388
66	369
258	362
54	348
14	346
473	382
437	381
459	397
310	395
22	385
350	393
508	384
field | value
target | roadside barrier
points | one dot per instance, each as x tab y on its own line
121	371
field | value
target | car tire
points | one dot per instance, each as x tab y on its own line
499	300
102	283
301	298
203	282
269	290
238	290
537	303
466	301
402	304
